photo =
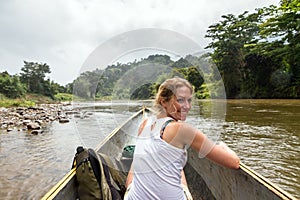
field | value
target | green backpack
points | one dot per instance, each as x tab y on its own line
96	176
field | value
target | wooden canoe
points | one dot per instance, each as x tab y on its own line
206	180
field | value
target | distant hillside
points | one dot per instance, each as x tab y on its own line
137	80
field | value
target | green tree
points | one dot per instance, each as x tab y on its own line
51	88
192	75
158	59
143	92
228	39
11	86
258	54
257	79
33	75
69	88
281	34
80	88
181	63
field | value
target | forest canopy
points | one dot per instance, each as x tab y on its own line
257	55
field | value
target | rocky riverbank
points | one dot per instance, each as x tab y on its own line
33	119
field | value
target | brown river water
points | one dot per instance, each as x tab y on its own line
264	133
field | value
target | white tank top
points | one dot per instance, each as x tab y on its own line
157	166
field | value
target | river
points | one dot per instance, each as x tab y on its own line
264	133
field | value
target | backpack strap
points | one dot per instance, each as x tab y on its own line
110	181
164	127
101	176
95	165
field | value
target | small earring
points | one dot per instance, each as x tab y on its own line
174	106
174	110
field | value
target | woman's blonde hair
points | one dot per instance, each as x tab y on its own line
168	89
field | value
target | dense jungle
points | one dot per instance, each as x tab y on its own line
257	55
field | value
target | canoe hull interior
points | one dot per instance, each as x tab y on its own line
206	180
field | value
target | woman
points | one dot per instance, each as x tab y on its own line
160	153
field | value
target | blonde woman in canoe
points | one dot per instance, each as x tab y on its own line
161	148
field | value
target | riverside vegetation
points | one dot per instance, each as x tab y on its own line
32	113
257	55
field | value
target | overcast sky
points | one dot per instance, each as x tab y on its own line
63	33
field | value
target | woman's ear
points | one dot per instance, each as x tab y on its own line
163	103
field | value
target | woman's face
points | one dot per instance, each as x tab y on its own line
179	106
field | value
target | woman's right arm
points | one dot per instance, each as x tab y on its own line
223	155
218	153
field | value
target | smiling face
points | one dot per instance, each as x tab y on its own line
180	104
174	98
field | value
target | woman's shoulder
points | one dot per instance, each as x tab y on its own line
181	125
181	128
179	134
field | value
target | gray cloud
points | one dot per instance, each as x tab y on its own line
64	33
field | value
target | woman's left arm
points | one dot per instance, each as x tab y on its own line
130	173
183	179
185	186
129	177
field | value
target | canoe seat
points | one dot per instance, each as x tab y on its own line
127	157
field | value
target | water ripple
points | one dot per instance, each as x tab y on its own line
267	141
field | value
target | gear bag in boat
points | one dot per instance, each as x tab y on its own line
96	177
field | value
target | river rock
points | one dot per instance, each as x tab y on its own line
72	112
26	121
33	126
64	120
9	129
36	132
28	116
40	122
33	118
